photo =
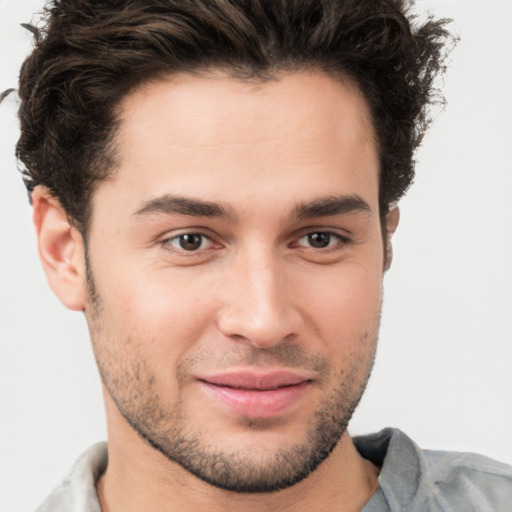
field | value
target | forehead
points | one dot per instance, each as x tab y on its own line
214	135
313	90
230	110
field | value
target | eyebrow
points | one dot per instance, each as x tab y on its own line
333	205
322	207
178	205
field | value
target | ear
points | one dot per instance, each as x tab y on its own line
61	250
392	219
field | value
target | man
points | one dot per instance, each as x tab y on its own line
214	185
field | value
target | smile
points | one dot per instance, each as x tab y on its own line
257	396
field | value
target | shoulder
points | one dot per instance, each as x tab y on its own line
77	492
484	482
415	479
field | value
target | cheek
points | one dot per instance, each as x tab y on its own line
344	307
159	314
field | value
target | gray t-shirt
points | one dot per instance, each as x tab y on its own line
411	479
414	480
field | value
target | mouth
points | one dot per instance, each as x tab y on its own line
257	395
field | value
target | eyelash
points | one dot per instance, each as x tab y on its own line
340	242
168	245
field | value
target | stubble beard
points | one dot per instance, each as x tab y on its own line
242	470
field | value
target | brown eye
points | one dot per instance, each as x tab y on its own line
189	242
322	240
319	240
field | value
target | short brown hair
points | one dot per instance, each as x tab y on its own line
89	55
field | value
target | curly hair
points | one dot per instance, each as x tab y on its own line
90	54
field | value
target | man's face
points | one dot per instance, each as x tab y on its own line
236	258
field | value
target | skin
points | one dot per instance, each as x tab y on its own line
256	295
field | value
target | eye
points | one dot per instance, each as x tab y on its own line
189	242
321	240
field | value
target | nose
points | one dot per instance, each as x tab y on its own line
258	303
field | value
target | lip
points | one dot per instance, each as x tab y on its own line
257	395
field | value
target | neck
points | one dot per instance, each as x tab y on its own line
141	478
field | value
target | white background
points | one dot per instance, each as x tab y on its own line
443	372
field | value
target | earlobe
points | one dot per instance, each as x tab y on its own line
61	250
392	219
